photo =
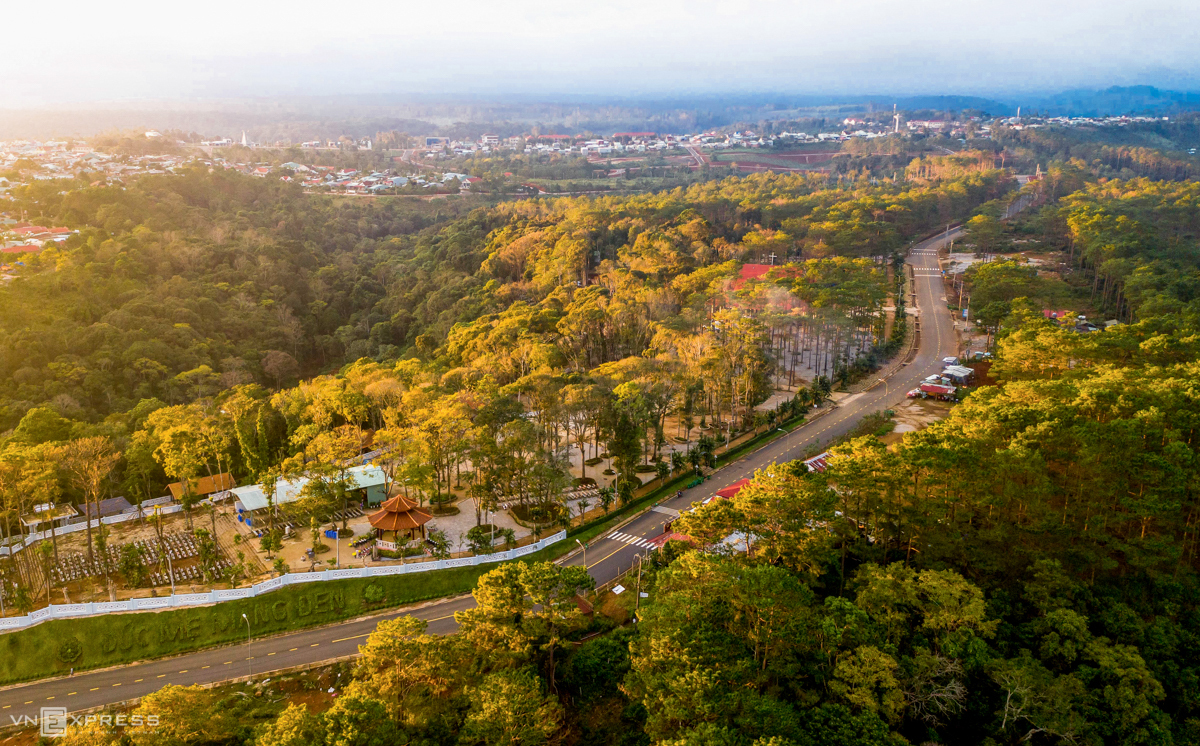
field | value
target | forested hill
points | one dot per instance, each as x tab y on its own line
181	285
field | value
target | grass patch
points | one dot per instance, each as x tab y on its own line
39	652
878	423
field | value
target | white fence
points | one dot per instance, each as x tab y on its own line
36	536
65	611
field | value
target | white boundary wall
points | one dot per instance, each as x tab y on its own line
65	611
33	538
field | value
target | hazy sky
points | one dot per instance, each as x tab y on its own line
57	52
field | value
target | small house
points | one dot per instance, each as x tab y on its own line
959	374
204	486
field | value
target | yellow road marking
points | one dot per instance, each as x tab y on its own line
226	663
137	681
343	639
204	667
294	649
5	707
314	644
183	671
93	689
607	556
49	698
269	654
72	694
117	684
160	676
29	702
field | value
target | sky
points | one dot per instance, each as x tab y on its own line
57	53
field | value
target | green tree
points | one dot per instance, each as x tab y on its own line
510	707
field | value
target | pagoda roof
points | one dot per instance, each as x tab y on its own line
399	514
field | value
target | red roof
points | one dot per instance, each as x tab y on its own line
934	388
818	463
661	541
399	514
733	489
22	249
753	271
634	134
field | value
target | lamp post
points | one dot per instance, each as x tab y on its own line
637	602
249	659
337	545
584	548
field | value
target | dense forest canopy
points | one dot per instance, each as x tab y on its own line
1023	571
178	285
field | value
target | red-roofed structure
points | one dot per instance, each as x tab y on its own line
21	249
733	489
661	541
935	389
400	516
818	463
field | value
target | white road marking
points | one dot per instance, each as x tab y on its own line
632	540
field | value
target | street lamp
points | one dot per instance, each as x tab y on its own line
637	602
584	548
249	660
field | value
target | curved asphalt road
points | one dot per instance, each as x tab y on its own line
606	556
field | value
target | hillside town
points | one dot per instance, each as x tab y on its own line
414	167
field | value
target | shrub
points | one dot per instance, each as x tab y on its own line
69	650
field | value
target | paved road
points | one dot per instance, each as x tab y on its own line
606	556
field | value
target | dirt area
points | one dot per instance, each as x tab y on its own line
618	608
913	415
983	374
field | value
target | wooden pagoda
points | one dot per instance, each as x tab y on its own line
401	517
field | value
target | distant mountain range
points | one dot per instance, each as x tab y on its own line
1142	99
1112	101
297	119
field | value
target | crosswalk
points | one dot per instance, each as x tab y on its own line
628	539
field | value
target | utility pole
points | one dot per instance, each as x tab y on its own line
249	659
637	602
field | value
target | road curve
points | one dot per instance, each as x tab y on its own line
606	556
